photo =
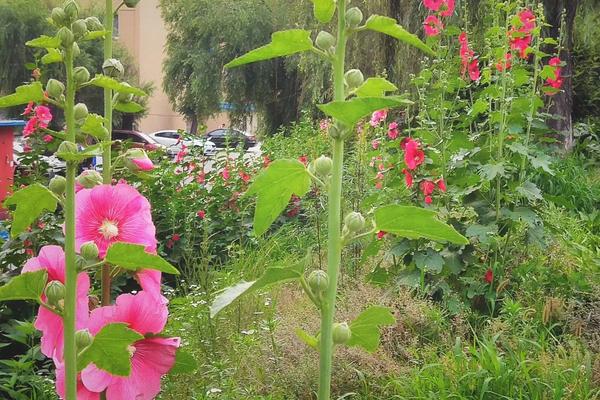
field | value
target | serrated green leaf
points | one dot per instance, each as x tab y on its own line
93	35
27	286
185	363
518	148
274	187
88	152
271	276
353	110
414	223
483	233
490	171
45	42
530	191
307	338
365	328
94	125
324	10
107	82
30	202
53	56
430	261
110	350
23	95
543	162
390	26
134	257
375	87
129	107
283	43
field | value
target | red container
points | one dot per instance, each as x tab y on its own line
7	163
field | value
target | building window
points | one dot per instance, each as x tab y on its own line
116	26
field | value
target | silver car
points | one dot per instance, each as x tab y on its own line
174	142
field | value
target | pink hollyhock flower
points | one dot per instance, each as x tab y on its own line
393	131
403	142
379	185
441	185
408	179
555	62
303	159
108	214
381	234
225	174
27	148
44	116
82	392
151	357
201	214
201	178
557	81
504	64
432	25
48	138
428	200
433	5
30	127
375	144
244	176
29	109
144	164
52	259
474	72
378	117
181	154
447	8
138	160
527	18
427	187
489	276
413	156
324	124
381	167
521	44
466	54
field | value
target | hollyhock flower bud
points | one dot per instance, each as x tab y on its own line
355	222
335	131
76	50
341	333
55	292
58	16
83	338
57	185
354	17
66	37
47	138
55	88
131	3
89	251
113	68
94	24
137	160
89	179
325	41
323	166
354	78
67	147
80	111
79	28
81	75
318	281
71	9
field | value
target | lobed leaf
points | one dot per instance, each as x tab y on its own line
23	95
414	223
283	43
365	328
353	110
27	286
44	42
390	26
375	87
107	82
30	202
307	338
129	107
53	56
94	125
88	152
134	257
185	363
324	10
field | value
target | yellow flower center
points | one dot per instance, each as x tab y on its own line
109	229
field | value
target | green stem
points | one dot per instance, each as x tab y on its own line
71	271
108	115
536	71
501	133
334	243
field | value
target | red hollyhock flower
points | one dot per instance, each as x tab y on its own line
303	159
504	64
427	187
433	5
381	234
428	200
432	25
407	178
266	161
393	131
474	72
441	185
447	8
244	176
225	174
413	156
201	214
403	143
489	276
176	237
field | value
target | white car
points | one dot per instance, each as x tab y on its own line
173	141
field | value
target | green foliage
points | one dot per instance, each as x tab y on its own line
29	204
390	26
23	95
324	10
365	328
134	257
353	110
27	286
375	87
107	82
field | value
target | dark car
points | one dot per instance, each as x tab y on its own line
232	138
137	139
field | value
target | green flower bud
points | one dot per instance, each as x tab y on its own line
325	41
354	17
89	251
67	147
55	292
354	78
81	75
57	185
71	9
79	28
66	37
55	88
76	50
94	24
131	3
113	68
318	281
58	16
341	333
355	222
80	111
323	166
83	338
336	131
89	179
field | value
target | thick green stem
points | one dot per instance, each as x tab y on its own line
71	271
334	243
534	88
108	115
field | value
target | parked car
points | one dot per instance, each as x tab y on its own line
137	139
232	138
56	166
174	141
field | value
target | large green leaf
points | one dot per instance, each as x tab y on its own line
88	152
324	10
272	275
53	56
307	338
283	43
107	82
129	107
110	350
185	363
44	42
353	110
430	261
390	26
134	257
27	286
365	328
274	187
530	190
30	202
414	223
375	87
23	95
94	125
